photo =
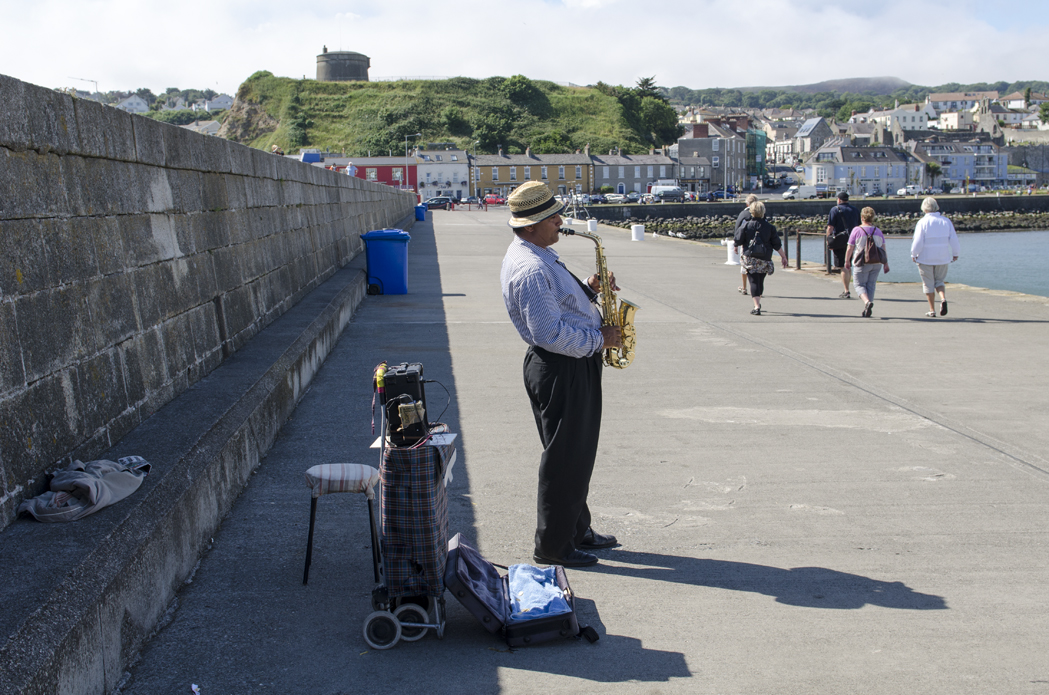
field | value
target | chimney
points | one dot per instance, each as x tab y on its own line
528	152
500	150
586	150
651	150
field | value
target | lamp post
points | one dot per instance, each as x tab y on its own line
417	135
471	174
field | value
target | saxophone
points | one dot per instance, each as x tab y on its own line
613	312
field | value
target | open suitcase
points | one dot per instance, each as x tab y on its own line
477	584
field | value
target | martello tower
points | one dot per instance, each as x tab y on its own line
342	66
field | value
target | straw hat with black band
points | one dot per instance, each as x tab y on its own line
531	203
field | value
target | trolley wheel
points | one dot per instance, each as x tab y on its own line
411	613
381	630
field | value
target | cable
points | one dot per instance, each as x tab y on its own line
446	392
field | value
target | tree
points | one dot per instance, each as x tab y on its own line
659	121
1027	97
522	92
933	170
146	95
646	87
1043	112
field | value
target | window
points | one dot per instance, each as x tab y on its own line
579	171
477	174
651	171
398	173
543	172
455	158
371	174
637	172
426	157
513	173
715	161
621	172
604	172
692	172
495	173
821	175
528	173
714	144
438	157
662	171
561	173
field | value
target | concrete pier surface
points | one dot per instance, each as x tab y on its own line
807	501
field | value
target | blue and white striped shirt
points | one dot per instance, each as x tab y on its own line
546	304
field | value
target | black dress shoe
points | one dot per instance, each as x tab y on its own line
596	541
576	558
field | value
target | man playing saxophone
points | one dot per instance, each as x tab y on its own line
555	314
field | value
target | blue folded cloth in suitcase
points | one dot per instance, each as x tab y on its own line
534	593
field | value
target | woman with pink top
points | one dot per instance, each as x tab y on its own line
865	275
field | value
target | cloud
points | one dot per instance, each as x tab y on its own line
125	44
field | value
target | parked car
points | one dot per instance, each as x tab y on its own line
633	197
956	190
597	198
722	195
493	199
615	198
438	203
471	200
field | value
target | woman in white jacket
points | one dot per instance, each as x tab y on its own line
935	246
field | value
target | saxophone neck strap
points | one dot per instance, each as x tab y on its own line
590	294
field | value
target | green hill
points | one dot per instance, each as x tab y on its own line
362	117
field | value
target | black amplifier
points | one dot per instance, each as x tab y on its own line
405	403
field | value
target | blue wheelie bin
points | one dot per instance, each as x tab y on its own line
420	213
387	255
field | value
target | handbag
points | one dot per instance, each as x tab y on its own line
871	253
758	247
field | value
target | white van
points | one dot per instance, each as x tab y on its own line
909	190
795	192
668	193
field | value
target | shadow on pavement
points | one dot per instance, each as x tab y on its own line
811	587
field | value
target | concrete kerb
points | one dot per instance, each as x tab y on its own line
103	606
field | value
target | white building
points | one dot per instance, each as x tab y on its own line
133	104
219	103
863	170
1016	100
908	116
443	172
956	101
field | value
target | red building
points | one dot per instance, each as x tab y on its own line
387	170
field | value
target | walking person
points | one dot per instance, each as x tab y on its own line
555	314
865	275
934	248
743	216
758	239
842	220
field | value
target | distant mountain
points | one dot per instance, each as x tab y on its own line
854	85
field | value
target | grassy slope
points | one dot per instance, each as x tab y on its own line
358	117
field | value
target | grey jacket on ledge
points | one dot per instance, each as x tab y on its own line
84	488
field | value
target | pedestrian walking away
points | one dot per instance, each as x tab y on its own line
865	255
555	314
743	216
934	248
758	239
842	220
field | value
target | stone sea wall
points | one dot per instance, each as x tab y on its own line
135	257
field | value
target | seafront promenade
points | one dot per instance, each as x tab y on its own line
807	501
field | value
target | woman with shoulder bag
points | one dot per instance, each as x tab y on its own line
758	239
866	254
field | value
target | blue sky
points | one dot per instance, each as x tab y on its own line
125	44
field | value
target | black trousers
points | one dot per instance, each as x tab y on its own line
757	284
565	393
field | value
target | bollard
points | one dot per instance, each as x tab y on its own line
733	257
591	225
637	232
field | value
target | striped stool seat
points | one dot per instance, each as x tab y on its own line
329	478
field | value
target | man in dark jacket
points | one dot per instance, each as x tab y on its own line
842	220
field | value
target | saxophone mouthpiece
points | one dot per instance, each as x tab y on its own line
566	231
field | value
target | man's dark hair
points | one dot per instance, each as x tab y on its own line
843	196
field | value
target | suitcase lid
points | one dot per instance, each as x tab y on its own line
471	575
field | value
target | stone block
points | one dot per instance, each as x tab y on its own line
241	162
52	120
150	288
111	308
22	257
108	243
150	147
156	182
12	373
69	250
14	118
238	222
40	424
236	192
187	190
102	396
31	185
195	278
229	271
291	192
206	339
177	343
142	360
183	148
214	154
104	131
52	330
213	192
148	239
238	309
264	164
